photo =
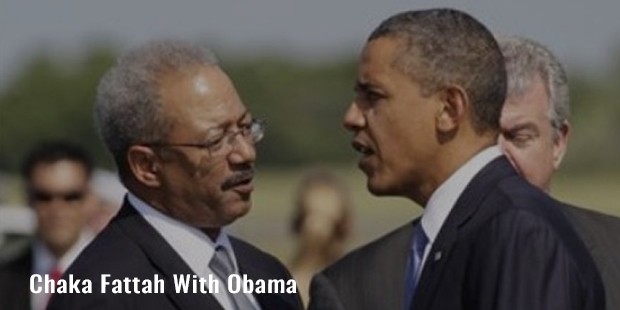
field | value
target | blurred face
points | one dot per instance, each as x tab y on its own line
324	205
528	136
205	187
392	123
57	192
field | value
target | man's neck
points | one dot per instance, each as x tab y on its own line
212	233
449	160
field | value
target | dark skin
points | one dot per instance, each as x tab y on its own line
199	174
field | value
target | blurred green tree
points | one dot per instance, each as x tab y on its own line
51	100
302	102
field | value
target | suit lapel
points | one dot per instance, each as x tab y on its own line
394	266
163	257
248	265
464	209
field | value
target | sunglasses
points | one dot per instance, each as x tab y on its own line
43	196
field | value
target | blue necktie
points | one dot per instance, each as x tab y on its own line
414	264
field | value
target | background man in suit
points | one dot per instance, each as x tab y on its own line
184	145
56	176
429	94
534	136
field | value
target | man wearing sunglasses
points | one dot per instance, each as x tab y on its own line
184	145
56	176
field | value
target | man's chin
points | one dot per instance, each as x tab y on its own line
235	211
382	187
376	188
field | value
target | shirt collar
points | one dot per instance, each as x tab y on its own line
445	196
193	245
44	260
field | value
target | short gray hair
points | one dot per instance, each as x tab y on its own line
128	104
446	46
525	60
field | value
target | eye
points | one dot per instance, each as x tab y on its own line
520	138
373	96
367	94
216	142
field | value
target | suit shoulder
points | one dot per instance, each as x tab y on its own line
524	195
16	264
15	253
371	254
248	254
242	247
593	218
110	252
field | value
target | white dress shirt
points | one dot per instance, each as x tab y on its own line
192	245
445	196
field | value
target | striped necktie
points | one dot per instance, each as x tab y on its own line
222	265
414	265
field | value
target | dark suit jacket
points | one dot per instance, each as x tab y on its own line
130	247
601	235
15	274
504	245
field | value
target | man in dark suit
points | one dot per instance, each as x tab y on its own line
534	136
56	177
184	145
429	94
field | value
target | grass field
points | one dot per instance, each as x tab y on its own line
267	225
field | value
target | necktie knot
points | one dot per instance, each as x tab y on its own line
222	265
55	273
420	240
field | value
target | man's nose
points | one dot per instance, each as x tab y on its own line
243	150
353	118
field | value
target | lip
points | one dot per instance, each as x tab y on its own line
244	188
362	147
364	163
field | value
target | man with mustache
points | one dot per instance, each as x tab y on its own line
534	137
425	118
184	145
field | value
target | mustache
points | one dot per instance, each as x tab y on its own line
239	177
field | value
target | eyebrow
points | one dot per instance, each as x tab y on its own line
225	125
367	87
524	126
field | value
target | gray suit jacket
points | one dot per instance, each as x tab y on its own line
601	235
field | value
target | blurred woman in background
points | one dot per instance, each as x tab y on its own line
321	223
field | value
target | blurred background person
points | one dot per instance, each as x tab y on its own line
534	137
322	223
56	176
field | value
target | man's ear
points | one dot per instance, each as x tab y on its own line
560	143
452	108
144	165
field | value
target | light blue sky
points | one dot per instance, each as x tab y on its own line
582	33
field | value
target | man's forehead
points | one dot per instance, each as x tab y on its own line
380	52
522	110
201	85
59	174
